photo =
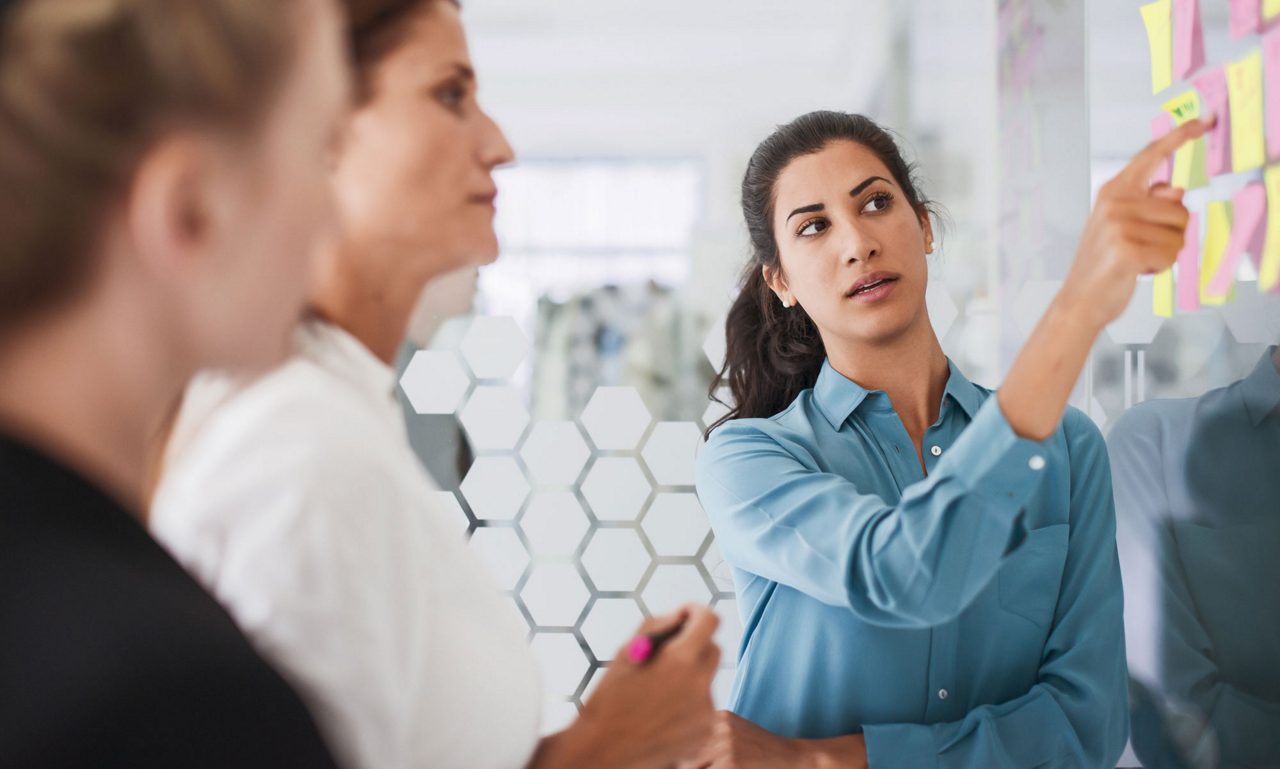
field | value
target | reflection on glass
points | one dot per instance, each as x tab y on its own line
1197	484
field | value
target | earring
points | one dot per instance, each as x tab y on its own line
788	303
930	246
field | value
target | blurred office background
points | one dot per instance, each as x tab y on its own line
563	410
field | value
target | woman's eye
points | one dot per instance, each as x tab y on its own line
451	96
877	203
813	228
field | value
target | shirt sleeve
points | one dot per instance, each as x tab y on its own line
1076	715
914	564
284	529
1170	648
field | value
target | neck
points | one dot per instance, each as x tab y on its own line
911	369
91	387
373	309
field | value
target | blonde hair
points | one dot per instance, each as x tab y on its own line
86	88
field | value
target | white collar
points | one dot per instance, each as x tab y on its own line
338	352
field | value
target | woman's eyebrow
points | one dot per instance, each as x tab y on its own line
853	193
806	209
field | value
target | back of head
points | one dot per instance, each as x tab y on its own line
86	87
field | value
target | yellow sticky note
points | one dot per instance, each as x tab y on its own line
1270	9
1244	90
1269	270
1188	160
1162	294
1158	18
1217	235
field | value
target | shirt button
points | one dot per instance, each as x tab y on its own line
942	694
1036	463
936	451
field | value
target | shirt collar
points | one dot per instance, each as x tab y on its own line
1261	389
338	352
838	396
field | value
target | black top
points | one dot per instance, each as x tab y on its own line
111	655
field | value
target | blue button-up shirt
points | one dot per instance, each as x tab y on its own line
970	617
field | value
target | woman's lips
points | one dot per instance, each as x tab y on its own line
876	291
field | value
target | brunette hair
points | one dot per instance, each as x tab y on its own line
378	27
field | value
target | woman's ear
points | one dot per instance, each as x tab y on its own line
774	279
926	224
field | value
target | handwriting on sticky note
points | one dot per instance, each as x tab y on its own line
1189	267
1269	269
1248	218
1212	86
1271	85
1158	18
1188	38
1246	17
1160	125
1244	92
1188	160
1217	234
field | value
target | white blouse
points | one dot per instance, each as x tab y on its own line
298	502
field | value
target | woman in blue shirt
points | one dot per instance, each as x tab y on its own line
927	573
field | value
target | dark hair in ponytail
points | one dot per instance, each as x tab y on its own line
773	353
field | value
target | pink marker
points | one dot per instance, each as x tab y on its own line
643	647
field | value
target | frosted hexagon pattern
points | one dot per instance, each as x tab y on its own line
673	585
1253	318
615	418
561	661
669	452
714	345
434	382
1138	324
615	488
942	307
555	594
494	347
609	624
495	488
676	524
494	418
502	553
1031	302
615	559
555	453
554	523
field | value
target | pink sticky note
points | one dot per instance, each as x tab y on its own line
1248	214
1246	17
1271	91
1189	267
1212	86
1188	38
1160	125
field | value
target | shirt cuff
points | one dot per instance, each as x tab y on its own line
900	746
992	460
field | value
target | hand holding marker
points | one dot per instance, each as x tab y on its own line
644	646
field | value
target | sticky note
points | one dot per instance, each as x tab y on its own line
1269	269
1158	18
1188	160
1271	86
1217	234
1162	294
1244	90
1188	289
1246	17
1212	86
1270	9
1248	218
1188	38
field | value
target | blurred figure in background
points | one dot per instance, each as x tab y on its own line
1199	535
297	499
161	184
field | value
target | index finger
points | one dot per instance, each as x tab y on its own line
1145	163
698	628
